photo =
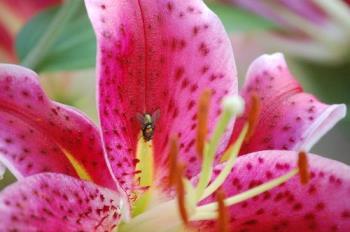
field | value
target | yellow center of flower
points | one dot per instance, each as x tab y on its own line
78	167
145	177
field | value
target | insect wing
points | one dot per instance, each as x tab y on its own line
155	116
140	118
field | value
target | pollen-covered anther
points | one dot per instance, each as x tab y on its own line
202	118
303	168
173	153
253	115
176	179
181	197
223	214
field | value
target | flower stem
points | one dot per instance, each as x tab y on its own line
37	53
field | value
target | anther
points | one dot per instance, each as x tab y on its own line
223	219
181	197
253	115
303	168
173	153
175	179
202	117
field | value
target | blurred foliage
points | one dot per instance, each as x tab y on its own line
73	49
331	83
8	179
243	20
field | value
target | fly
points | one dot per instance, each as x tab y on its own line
147	122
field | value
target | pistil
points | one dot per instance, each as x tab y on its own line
231	107
230	156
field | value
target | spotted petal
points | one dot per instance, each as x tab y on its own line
320	205
157	55
56	202
39	135
289	119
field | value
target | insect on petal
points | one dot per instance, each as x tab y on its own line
158	55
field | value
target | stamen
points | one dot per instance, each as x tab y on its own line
188	196
253	116
181	197
223	219
176	179
303	168
173	153
202	116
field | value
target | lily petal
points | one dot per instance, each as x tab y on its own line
319	205
39	135
289	119
58	203
157	55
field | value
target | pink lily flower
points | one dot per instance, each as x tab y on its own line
155	60
317	30
13	15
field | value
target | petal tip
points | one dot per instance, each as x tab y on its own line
274	58
325	122
275	61
16	69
